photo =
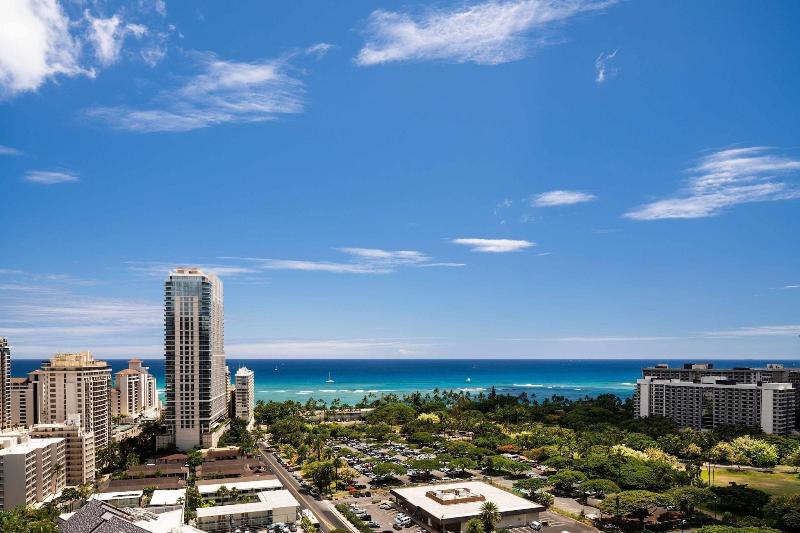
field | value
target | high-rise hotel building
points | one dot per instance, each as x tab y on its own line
194	349
5	383
75	386
245	394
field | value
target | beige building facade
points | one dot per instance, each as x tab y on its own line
75	386
79	453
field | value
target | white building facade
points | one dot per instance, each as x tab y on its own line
29	471
245	394
714	401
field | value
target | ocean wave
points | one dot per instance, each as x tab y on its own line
472	389
304	392
531	385
329	390
628	384
280	391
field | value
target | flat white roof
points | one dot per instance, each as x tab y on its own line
105	496
167	496
258	484
278	498
239	508
505	501
30	445
163	523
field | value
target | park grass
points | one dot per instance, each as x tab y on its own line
774	483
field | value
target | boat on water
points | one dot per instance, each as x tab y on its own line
469	380
330	379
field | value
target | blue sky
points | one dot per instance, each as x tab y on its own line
525	178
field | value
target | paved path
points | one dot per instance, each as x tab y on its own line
328	519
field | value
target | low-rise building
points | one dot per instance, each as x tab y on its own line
448	507
167	499
271	507
211	491
120	500
79	463
713	401
30	471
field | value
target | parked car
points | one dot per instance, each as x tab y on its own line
536	525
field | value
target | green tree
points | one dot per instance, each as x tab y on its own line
307	526
388	470
754	451
529	484
566	481
638	504
689	498
740	499
600	487
474	525
489	516
783	512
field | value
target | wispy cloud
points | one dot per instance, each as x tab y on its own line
221	92
485	33
160	269
591	339
339	348
791	286
556	198
43	40
362	261
319	50
495	246
45	177
757	331
603	67
7	150
724	179
108	34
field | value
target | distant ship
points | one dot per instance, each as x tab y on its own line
469	380
330	379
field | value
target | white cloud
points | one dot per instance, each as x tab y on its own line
724	179
42	40
45	177
319	50
7	150
363	261
161	269
555	198
604	70
339	348
791	286
35	45
757	331
108	34
485	33
495	245
222	92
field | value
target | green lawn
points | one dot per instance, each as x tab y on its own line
777	483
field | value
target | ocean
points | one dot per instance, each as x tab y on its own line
301	379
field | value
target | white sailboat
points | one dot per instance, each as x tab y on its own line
330	379
469	380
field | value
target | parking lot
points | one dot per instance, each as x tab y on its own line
384	520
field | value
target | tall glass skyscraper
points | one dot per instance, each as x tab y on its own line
194	348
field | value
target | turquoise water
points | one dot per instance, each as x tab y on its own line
291	379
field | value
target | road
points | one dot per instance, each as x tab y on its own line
328	520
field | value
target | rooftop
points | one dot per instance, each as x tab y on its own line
505	501
278	498
106	496
167	497
238	508
262	484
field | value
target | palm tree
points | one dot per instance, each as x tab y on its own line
490	516
55	475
